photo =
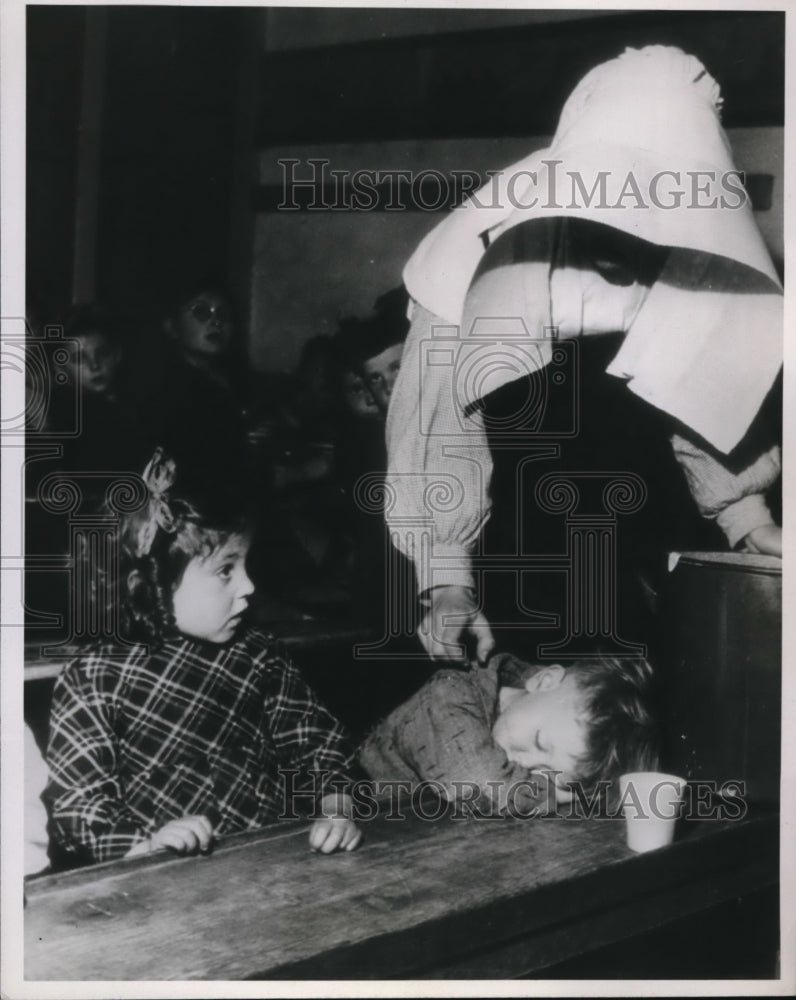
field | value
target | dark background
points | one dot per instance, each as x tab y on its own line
154	115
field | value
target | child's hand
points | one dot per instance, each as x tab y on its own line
336	831
184	836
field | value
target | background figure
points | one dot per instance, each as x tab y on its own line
327	436
358	399
300	429
380	361
370	353
223	424
95	419
296	432
201	405
111	436
313	406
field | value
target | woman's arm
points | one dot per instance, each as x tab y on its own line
439	469
735	500
439	464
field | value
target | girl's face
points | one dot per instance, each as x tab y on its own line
214	592
204	325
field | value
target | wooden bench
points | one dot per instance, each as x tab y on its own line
449	898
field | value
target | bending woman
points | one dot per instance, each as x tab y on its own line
634	221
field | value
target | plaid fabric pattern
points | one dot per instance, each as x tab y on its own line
186	729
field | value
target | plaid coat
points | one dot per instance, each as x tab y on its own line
189	728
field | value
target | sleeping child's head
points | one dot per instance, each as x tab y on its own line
183	561
589	721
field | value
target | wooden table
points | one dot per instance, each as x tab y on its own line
445	899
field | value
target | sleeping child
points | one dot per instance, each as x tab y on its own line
495	736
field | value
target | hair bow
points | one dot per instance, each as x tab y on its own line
159	477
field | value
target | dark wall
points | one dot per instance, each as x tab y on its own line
168	147
54	67
505	82
172	90
169	113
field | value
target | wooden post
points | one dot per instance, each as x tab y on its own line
84	266
244	166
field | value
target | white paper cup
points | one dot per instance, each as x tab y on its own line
651	806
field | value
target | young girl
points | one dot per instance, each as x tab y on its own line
185	734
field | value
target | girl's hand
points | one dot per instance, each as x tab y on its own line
336	830
186	835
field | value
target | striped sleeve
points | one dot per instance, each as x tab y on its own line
434	451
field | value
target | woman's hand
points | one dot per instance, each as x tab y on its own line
336	830
453	615
765	540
